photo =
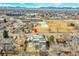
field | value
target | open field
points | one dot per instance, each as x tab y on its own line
58	26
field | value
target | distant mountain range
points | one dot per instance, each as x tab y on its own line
60	7
3	7
42	7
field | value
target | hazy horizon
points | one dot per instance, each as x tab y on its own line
37	5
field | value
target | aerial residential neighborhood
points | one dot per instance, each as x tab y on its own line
43	31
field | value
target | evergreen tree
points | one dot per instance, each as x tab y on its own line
5	34
5	20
